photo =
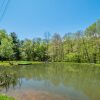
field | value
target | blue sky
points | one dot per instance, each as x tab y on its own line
31	18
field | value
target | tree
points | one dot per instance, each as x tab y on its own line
47	41
93	33
16	46
67	45
91	30
6	45
56	51
26	50
40	50
6	50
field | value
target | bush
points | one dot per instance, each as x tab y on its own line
71	57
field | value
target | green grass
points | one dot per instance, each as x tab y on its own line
4	97
6	63
27	62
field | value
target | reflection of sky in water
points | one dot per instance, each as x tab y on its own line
49	87
77	83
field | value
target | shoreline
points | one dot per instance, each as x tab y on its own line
16	63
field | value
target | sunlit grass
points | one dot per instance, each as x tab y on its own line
8	63
4	97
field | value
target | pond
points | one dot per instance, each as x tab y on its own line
51	81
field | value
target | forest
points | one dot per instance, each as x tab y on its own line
80	46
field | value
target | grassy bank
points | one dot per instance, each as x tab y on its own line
14	63
4	97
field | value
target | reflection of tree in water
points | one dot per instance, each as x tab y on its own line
8	77
80	76
60	73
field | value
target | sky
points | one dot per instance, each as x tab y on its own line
32	18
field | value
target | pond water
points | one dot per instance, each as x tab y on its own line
52	81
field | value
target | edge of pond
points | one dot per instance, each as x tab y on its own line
16	63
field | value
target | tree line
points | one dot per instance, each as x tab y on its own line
80	46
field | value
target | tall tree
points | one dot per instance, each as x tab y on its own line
40	50
16	46
47	41
6	51
67	46
57	48
26	50
6	46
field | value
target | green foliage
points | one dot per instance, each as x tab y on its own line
71	57
56	48
26	50
16	46
6	45
73	47
91	30
6	48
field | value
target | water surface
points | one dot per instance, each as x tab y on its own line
53	81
